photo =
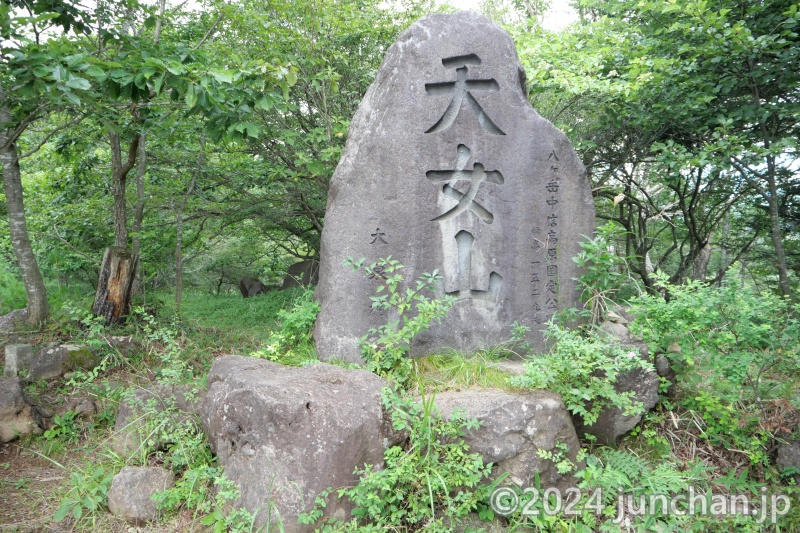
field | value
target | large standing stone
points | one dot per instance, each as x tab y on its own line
448	167
285	434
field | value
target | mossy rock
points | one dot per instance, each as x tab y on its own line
81	358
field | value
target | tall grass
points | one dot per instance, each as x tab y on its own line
12	292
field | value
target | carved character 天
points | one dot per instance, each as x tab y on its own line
461	90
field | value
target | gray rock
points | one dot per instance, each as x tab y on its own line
509	366
82	407
18	359
513	428
447	167
55	361
789	457
285	434
612	423
16	415
132	490
124	344
250	287
617	331
301	274
135	428
13	320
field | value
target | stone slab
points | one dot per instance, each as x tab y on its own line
448	167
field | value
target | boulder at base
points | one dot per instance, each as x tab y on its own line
132	490
447	167
16	415
285	434
514	427
55	361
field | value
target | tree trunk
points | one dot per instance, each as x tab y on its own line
114	285
138	215
700	263
35	291
179	229
775	230
119	176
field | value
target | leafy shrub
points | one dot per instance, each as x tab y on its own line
292	342
386	348
739	349
602	272
430	483
87	497
583	368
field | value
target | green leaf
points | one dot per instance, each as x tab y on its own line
224	76
78	83
148	71
191	97
66	507
96	72
252	130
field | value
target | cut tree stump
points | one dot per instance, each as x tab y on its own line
114	284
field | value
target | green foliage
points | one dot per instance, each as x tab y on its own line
739	349
87	497
63	428
12	293
432	482
292	342
584	370
386	348
454	370
248	320
602	271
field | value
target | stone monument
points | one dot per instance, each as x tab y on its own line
447	166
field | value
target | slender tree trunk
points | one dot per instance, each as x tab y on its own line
179	228
138	211
119	176
700	263
772	202
775	229
138	216
35	291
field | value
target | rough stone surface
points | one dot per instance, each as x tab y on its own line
513	367
132	489
18	359
250	287
513	428
619	332
13	320
16	415
285	434
82	407
301	274
789	457
124	344
131	427
55	361
612	423
448	167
